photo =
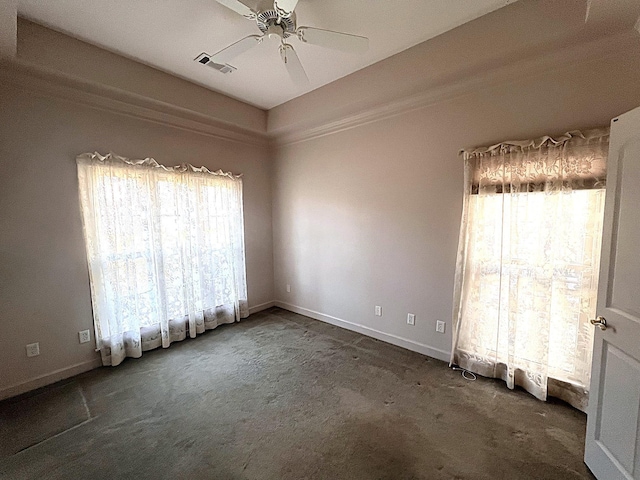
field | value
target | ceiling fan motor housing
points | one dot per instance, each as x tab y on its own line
269	22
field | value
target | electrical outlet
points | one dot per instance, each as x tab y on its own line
378	311
411	318
440	326
288	288
84	336
33	349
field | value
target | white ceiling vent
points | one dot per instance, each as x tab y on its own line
205	59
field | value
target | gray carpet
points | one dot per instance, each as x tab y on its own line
28	420
282	396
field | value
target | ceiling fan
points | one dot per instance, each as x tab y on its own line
280	22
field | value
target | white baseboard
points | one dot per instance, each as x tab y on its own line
49	378
368	331
262	306
61	374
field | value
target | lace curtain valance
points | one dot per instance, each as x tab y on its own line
113	160
575	160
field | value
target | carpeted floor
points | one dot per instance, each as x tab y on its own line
282	396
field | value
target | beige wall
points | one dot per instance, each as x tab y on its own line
44	285
8	28
370	216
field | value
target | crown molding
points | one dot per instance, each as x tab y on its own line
51	83
465	84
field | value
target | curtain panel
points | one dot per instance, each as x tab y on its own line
528	262
165	251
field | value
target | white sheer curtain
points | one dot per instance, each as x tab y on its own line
527	270
165	249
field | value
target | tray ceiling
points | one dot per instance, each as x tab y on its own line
169	34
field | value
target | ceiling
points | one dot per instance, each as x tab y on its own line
169	34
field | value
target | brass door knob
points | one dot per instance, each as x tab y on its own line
599	322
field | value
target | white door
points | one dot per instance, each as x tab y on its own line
612	448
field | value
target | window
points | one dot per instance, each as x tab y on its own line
528	262
535	267
165	249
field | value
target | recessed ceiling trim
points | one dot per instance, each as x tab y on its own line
44	81
563	58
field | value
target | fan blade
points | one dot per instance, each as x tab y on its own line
336	40
285	8
294	67
239	7
232	51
